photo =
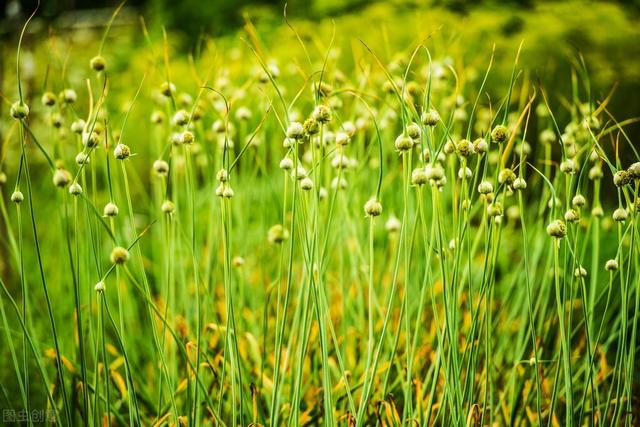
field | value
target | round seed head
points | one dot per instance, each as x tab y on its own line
464	148
219	126
495	209
19	110
157	117
465	173
61	178
82	158
597	211
119	255
99	287
506	176
90	139
277	234
449	147
342	138
48	99
569	167
419	176
634	171
306	184
243	114
77	126
168	207
403	143
578	200
393	224
180	118
621	178
286	164
430	117
161	167
322	193
220	190
571	216
299	173
17	197
372	208
620	215
56	120
595	172
485	187
295	131
480	146
519	184
288	142
580	272
121	151
75	189
548	136
500	134
228	192
557	229
434	172
110	209
187	137
98	63
68	96
322	114
167	89
413	131
311	126
611	265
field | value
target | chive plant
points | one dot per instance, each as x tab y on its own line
315	233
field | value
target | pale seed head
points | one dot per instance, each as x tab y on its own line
611	265
75	189
580	272
168	207
121	152
119	255
17	197
277	234
61	178
485	187
578	200
19	110
306	184
373	208
161	167
295	130
557	229
620	215
419	176
98	63
110	209
500	134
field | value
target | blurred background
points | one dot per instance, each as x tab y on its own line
556	34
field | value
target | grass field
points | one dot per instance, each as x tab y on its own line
389	218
